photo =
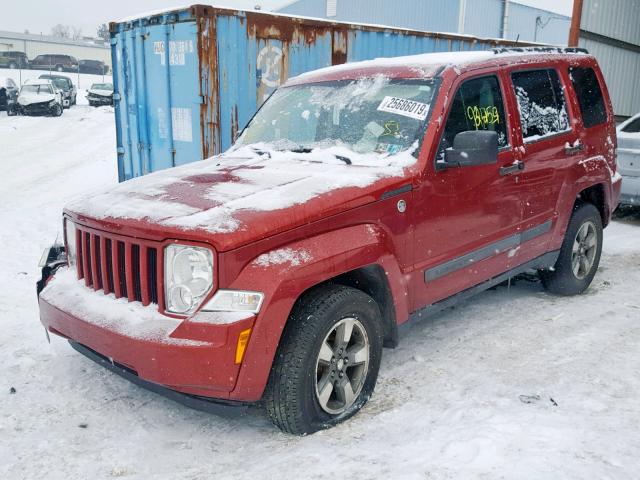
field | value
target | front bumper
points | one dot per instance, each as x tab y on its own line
630	191
195	356
100	100
35	109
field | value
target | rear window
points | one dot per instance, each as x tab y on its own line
541	103
633	127
585	82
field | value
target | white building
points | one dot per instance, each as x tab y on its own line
34	45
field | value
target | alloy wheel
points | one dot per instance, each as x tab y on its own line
584	250
342	365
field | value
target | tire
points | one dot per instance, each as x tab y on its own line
13	65
311	361
57	110
579	257
59	68
12	111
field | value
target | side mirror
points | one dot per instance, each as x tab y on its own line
475	147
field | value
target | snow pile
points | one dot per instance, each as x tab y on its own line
283	256
129	319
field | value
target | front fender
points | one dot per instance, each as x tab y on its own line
286	273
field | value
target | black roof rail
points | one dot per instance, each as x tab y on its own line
540	50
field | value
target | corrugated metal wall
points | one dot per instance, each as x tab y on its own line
426	15
482	18
611	31
34	48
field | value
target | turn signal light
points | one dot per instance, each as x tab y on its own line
243	340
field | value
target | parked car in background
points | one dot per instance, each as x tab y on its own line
14	59
100	94
629	160
60	63
69	91
357	195
93	66
39	97
8	95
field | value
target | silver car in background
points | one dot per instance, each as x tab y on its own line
629	160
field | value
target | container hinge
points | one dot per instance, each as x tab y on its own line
116	96
114	41
120	150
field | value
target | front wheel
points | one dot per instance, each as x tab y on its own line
56	111
11	111
327	363
579	255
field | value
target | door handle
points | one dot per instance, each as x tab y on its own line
577	147
515	167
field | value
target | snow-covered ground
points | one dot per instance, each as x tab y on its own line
448	403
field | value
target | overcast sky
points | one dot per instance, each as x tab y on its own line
38	16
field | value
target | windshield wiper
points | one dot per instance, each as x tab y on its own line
303	149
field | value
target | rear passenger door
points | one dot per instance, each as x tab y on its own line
549	146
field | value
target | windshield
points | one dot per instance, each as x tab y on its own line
37	89
61	83
102	86
371	115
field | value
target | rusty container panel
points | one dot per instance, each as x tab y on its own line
187	81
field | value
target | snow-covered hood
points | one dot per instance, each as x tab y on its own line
246	194
102	93
30	98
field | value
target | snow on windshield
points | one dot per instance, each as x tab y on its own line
374	115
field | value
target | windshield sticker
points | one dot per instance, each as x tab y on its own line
389	148
483	116
404	107
392	127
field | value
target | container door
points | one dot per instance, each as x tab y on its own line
158	111
256	55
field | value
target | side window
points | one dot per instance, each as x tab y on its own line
587	89
477	105
633	127
541	103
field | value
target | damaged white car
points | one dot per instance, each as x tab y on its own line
39	97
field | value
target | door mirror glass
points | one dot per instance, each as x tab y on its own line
470	148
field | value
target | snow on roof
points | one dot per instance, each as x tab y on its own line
415	61
37	81
427	62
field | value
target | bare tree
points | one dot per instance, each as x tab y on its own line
61	31
103	32
76	33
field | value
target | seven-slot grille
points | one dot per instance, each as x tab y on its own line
123	266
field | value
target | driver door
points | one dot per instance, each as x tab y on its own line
467	218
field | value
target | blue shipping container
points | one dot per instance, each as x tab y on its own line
187	81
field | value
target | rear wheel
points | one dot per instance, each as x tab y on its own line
59	68
579	255
327	363
13	65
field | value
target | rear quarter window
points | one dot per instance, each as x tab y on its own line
585	83
541	103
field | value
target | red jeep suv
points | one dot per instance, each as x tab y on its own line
357	195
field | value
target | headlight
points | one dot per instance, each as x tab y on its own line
52	103
188	277
70	239
235	301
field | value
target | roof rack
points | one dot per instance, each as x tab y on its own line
540	50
